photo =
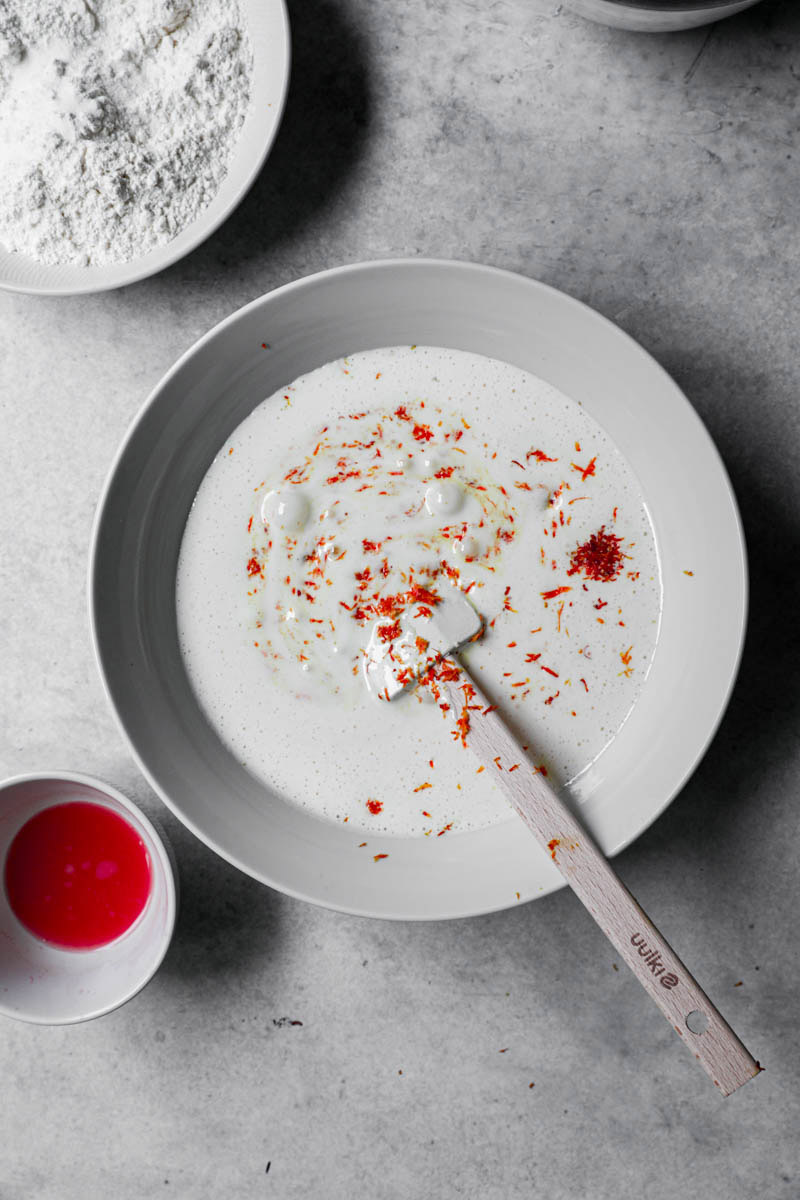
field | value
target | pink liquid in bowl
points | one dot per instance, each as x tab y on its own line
77	875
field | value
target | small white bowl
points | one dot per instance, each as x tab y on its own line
268	27
50	986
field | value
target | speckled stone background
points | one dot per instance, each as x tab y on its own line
654	177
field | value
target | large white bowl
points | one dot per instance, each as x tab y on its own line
268	28
218	382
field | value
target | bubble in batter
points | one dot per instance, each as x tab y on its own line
288	510
444	498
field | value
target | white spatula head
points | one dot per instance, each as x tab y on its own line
392	665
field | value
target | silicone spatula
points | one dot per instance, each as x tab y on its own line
560	834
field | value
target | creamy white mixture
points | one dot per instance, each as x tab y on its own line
348	503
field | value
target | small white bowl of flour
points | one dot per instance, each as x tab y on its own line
129	130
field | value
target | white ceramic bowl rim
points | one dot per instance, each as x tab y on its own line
695	721
672	6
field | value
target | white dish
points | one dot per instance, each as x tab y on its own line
218	382
50	986
268	29
658	16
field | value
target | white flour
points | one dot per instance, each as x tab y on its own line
117	119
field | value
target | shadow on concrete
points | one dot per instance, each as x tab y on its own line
764	19
227	922
760	725
321	138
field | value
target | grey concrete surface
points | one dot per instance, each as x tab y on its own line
654	177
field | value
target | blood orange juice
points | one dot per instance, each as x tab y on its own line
77	875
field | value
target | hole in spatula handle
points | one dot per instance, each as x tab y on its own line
696	1021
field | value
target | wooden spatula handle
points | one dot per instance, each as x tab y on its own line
654	963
